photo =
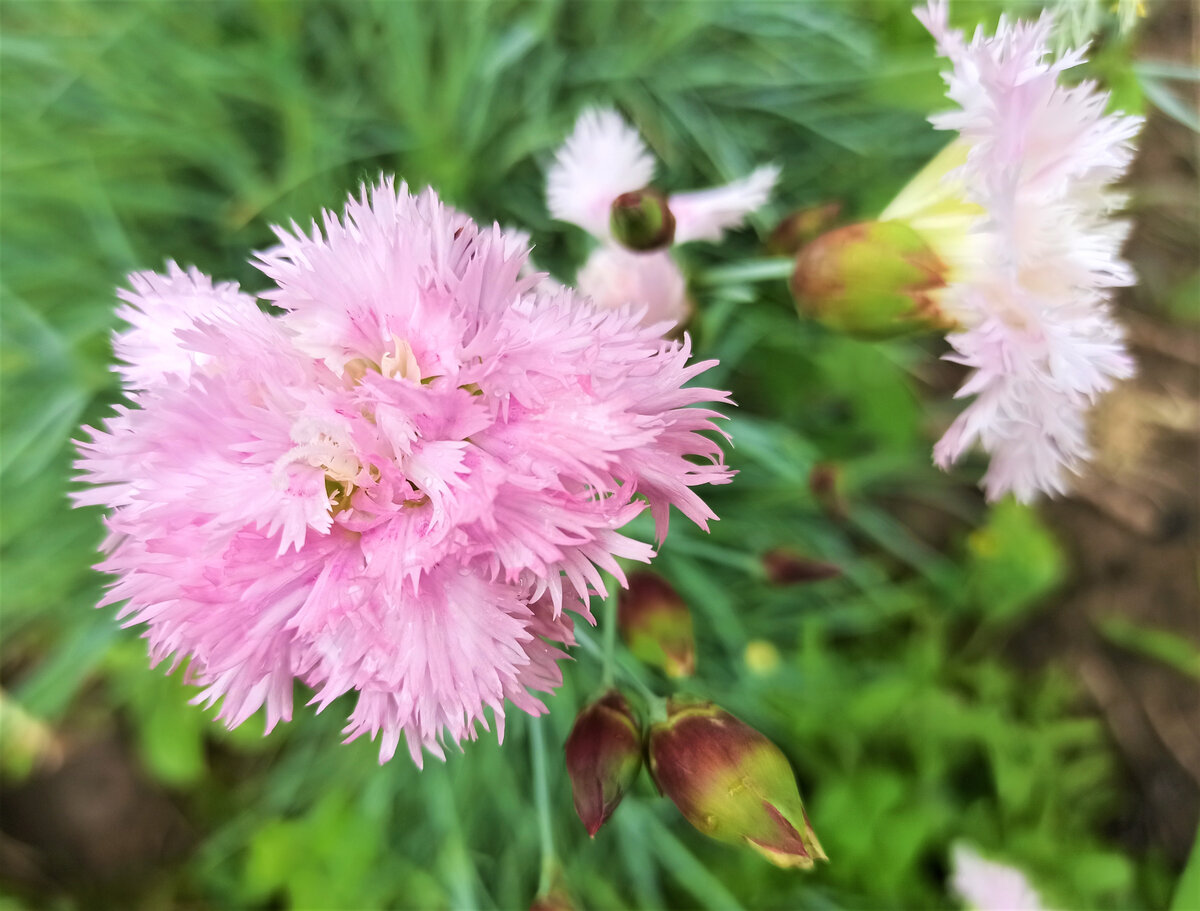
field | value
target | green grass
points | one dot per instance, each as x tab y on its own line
140	131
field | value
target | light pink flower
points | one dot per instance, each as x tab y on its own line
613	277
395	486
158	306
984	885
605	157
1034	299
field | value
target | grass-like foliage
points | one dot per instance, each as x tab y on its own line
134	131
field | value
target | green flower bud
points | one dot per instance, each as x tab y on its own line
802	226
27	744
875	279
657	625
761	657
604	754
642	221
732	783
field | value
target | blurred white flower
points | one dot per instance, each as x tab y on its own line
603	158
708	214
1032	289
614	276
984	885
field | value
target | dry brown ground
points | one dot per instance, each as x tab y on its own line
1134	525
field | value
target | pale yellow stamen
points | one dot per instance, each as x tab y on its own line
401	362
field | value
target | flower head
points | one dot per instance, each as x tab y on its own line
984	885
395	486
1033	272
602	161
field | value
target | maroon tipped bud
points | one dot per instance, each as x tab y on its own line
826	485
801	226
604	754
732	783
657	625
784	567
642	220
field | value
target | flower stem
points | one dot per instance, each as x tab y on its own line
753	270
626	667
541	800
610	634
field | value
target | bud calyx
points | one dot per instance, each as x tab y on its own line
732	783
875	279
642	220
657	625
603	755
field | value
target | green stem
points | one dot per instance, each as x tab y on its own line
753	270
610	633
458	870
656	709
628	675
541	800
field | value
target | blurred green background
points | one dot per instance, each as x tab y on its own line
138	131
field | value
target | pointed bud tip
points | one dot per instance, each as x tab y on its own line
875	279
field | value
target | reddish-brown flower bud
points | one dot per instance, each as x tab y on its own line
732	783
642	220
801	226
827	486
657	625
556	899
785	567
604	754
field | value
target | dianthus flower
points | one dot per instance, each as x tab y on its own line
604	158
1023	220
394	484
985	885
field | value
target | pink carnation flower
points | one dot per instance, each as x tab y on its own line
1045	256
396	485
605	157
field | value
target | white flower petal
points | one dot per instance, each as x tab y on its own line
614	277
601	159
1034	303
708	214
987	886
